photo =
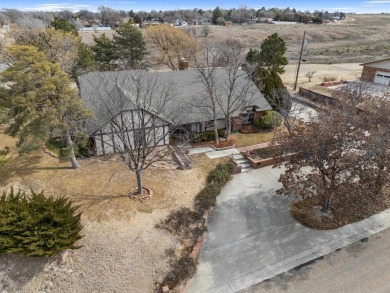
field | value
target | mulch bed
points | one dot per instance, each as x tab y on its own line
262	153
345	209
146	194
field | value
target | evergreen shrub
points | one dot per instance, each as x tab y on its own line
36	225
270	119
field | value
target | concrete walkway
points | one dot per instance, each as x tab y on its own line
222	153
252	237
213	153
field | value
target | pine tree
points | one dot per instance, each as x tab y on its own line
85	61
129	46
217	14
268	63
60	24
104	52
40	101
272	52
271	82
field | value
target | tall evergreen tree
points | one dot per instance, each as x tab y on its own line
85	62
104	52
271	54
266	65
217	14
129	46
40	101
60	24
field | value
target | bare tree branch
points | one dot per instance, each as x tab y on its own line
135	114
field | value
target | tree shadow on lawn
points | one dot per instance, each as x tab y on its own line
26	165
17	270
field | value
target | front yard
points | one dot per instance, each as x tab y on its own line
247	139
122	251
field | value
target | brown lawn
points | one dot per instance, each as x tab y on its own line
121	248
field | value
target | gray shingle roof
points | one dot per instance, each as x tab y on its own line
116	87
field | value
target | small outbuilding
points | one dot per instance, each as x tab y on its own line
377	71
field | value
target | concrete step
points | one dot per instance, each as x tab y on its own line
238	156
245	165
244	170
242	160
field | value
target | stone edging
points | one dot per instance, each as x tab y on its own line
142	198
256	164
181	158
237	167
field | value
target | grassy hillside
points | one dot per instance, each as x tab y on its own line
358	38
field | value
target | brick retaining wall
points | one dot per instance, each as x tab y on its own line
317	97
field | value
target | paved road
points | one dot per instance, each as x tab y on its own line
357	268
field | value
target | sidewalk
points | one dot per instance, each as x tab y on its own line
252	237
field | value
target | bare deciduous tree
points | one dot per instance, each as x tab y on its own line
207	75
343	151
354	93
228	89
205	30
282	102
237	91
310	75
135	115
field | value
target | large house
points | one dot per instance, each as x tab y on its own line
377	71
147	105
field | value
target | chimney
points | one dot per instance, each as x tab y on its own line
183	64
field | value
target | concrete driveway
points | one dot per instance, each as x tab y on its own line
252	237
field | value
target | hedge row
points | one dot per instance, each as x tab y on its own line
37	225
216	179
188	224
207	135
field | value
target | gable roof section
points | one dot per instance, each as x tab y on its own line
115	88
378	62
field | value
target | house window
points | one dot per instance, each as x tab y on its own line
209	124
139	137
248	117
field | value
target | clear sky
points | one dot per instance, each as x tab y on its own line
359	6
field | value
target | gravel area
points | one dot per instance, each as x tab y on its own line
121	253
117	256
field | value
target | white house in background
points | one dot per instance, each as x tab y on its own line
377	71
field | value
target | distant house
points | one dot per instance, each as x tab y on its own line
179	22
377	71
102	88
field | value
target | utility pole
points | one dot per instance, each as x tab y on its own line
299	61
